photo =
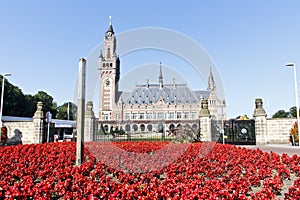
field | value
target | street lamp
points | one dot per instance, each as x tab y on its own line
296	92
2	94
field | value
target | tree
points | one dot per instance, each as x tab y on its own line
293	111
30	106
281	114
14	101
48	104
63	111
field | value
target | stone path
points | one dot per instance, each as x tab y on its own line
278	148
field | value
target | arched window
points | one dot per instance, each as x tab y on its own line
135	127
160	128
149	127
194	126
142	127
127	127
105	128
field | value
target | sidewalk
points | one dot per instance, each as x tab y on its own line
277	148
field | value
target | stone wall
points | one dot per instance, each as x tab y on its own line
278	130
24	127
271	130
267	130
33	129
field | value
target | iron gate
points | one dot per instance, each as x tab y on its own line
239	132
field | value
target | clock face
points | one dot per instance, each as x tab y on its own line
107	82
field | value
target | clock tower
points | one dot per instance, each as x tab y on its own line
109	68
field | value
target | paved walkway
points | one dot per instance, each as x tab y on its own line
278	148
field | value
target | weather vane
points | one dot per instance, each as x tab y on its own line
110	20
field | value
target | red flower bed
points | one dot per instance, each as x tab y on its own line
144	170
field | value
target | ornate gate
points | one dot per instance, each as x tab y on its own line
239	132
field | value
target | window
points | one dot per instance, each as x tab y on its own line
106	128
160	115
127	115
142	127
149	115
135	127
142	116
106	116
149	127
134	115
127	127
178	115
194	115
186	115
108	53
171	115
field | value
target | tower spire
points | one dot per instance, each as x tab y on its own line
110	27
211	82
101	55
160	77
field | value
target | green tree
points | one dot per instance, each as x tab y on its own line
62	111
293	111
30	106
14	101
281	114
48	104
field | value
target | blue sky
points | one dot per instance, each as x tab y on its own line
249	42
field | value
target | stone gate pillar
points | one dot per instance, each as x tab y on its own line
90	123
205	121
260	118
38	123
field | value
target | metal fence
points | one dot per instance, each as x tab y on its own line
134	136
239	132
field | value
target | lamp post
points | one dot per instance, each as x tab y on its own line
296	92
2	94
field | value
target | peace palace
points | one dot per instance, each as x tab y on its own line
149	107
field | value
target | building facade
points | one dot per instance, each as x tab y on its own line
149	107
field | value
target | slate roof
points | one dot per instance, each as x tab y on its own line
110	29
180	94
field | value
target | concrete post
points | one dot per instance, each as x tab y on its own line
205	121
80	111
90	125
260	118
38	123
